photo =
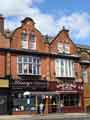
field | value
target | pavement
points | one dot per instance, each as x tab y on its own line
57	116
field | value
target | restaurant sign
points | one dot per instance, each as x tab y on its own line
54	86
69	87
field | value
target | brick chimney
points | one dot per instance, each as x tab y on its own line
1	23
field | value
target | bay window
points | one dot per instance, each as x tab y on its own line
64	67
28	65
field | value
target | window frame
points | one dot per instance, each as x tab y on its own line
24	41
32	42
68	65
37	64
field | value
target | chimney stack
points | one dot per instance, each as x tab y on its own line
1	23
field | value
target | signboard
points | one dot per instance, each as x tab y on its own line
69	87
4	83
30	85
54	86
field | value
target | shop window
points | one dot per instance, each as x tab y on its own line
70	99
24	42
23	102
32	41
28	65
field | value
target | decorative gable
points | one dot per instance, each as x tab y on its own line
62	43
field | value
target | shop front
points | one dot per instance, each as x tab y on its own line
68	97
27	96
4	96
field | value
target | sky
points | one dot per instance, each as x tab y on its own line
50	16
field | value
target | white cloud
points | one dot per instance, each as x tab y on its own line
77	23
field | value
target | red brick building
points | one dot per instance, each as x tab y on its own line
35	70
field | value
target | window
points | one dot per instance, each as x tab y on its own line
23	102
84	73
63	48
32	41
66	48
24	42
60	47
70	99
64	68
28	65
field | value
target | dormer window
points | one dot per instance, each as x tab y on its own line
24	42
32	41
63	48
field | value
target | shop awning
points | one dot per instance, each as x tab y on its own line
51	92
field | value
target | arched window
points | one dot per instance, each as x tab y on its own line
32	41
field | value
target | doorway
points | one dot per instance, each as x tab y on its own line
54	104
3	105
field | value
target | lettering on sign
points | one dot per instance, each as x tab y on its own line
69	86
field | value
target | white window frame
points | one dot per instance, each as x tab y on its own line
24	41
67	67
63	47
32	43
66	48
28	63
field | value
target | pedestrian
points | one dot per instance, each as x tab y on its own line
41	107
61	106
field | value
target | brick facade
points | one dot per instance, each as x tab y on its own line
11	48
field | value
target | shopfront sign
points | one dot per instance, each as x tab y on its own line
69	87
31	85
54	86
4	83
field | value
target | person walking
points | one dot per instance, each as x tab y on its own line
41	107
61	107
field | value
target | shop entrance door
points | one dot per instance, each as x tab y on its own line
3	105
54	103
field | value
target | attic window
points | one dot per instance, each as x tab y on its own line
63	48
24	42
60	47
32	41
66	48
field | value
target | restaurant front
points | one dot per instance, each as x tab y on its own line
70	95
28	94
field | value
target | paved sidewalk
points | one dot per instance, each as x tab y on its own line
56	116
